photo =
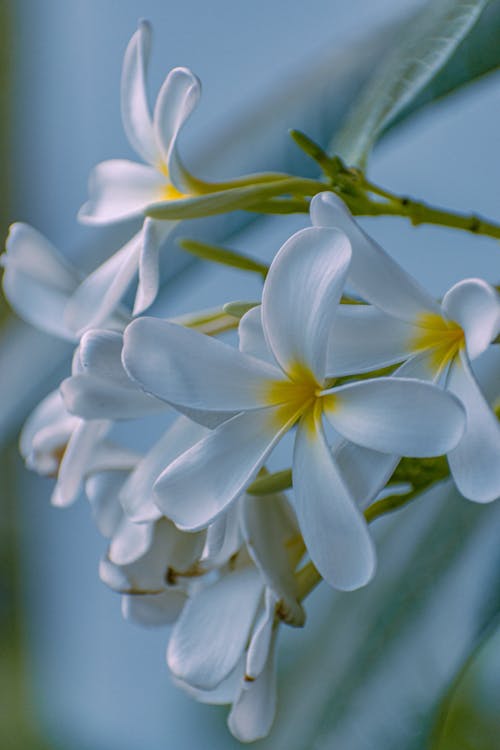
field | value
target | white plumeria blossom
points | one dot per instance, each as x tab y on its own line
222	648
437	341
40	285
121	189
299	306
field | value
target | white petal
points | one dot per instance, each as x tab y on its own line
376	276
334	530
50	410
100	294
365	472
272	535
153	610
77	460
364	338
261	640
90	397
251	336
147	574
102	491
211	633
223	538
176	100
137	493
190	369
154	234
222	694
197	487
253	711
475	306
100	353
475	462
397	415
30	253
136	117
120	189
300	297
37	281
130	542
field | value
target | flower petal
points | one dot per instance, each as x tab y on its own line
272	537
261	640
154	234
334	530
212	631
376	276
153	610
120	189
222	694
253	711
364	472
99	295
102	492
198	486
37	281
130	542
300	297
397	415
223	539
90	397
137	493
136	116
190	369
475	462
475	306
177	98
364	338
48	413
251	336
76	461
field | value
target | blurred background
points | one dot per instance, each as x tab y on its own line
72	673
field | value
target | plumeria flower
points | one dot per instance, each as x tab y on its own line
57	444
121	189
436	340
299	306
38	283
141	556
222	648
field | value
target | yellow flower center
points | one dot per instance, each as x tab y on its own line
442	338
168	192
294	396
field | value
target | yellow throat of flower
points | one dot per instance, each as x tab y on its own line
300	393
441	338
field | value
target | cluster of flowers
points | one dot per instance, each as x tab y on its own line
187	543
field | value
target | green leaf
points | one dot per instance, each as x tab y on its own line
422	49
224	256
233	199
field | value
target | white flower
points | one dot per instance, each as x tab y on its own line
39	283
222	648
121	189
437	340
57	444
299	306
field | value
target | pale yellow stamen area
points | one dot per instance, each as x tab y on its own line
294	396
441	338
169	192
